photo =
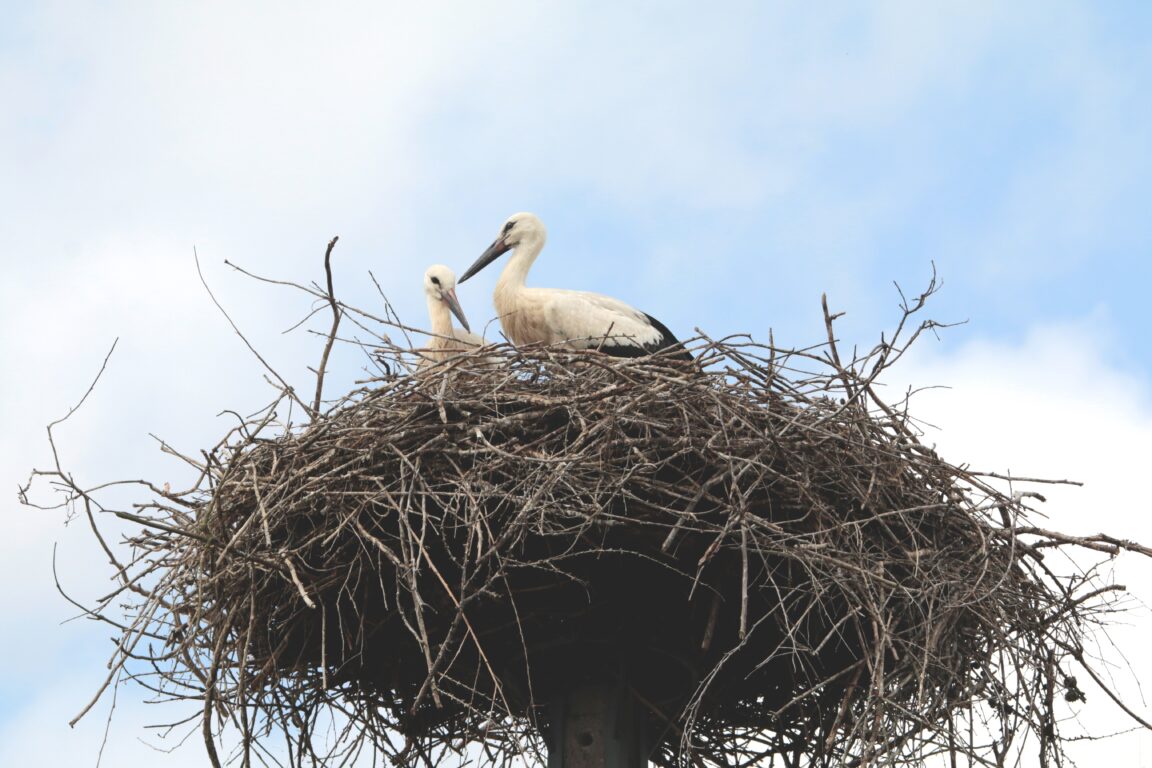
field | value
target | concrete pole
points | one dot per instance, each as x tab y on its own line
596	726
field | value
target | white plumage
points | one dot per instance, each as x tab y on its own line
577	319
446	340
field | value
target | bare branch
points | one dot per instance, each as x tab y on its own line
331	296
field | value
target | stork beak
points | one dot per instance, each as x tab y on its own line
496	249
454	305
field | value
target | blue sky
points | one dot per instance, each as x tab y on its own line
719	167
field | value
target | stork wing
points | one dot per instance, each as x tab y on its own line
587	319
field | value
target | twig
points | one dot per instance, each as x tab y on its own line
287	388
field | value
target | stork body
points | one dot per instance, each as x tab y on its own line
576	319
447	340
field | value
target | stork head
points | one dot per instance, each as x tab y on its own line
440	285
521	229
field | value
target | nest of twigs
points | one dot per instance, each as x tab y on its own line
754	547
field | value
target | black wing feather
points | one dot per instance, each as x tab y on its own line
667	340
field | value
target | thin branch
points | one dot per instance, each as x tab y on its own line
287	388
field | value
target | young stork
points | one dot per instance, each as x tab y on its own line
577	319
440	291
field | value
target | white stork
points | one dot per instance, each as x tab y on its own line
440	291
577	319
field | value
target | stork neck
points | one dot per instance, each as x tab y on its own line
516	270
439	316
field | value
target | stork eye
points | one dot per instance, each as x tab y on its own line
508	227
435	280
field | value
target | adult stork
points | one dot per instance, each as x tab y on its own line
447	340
576	319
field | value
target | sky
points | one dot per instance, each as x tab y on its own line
719	166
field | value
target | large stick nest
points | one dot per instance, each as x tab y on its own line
754	547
